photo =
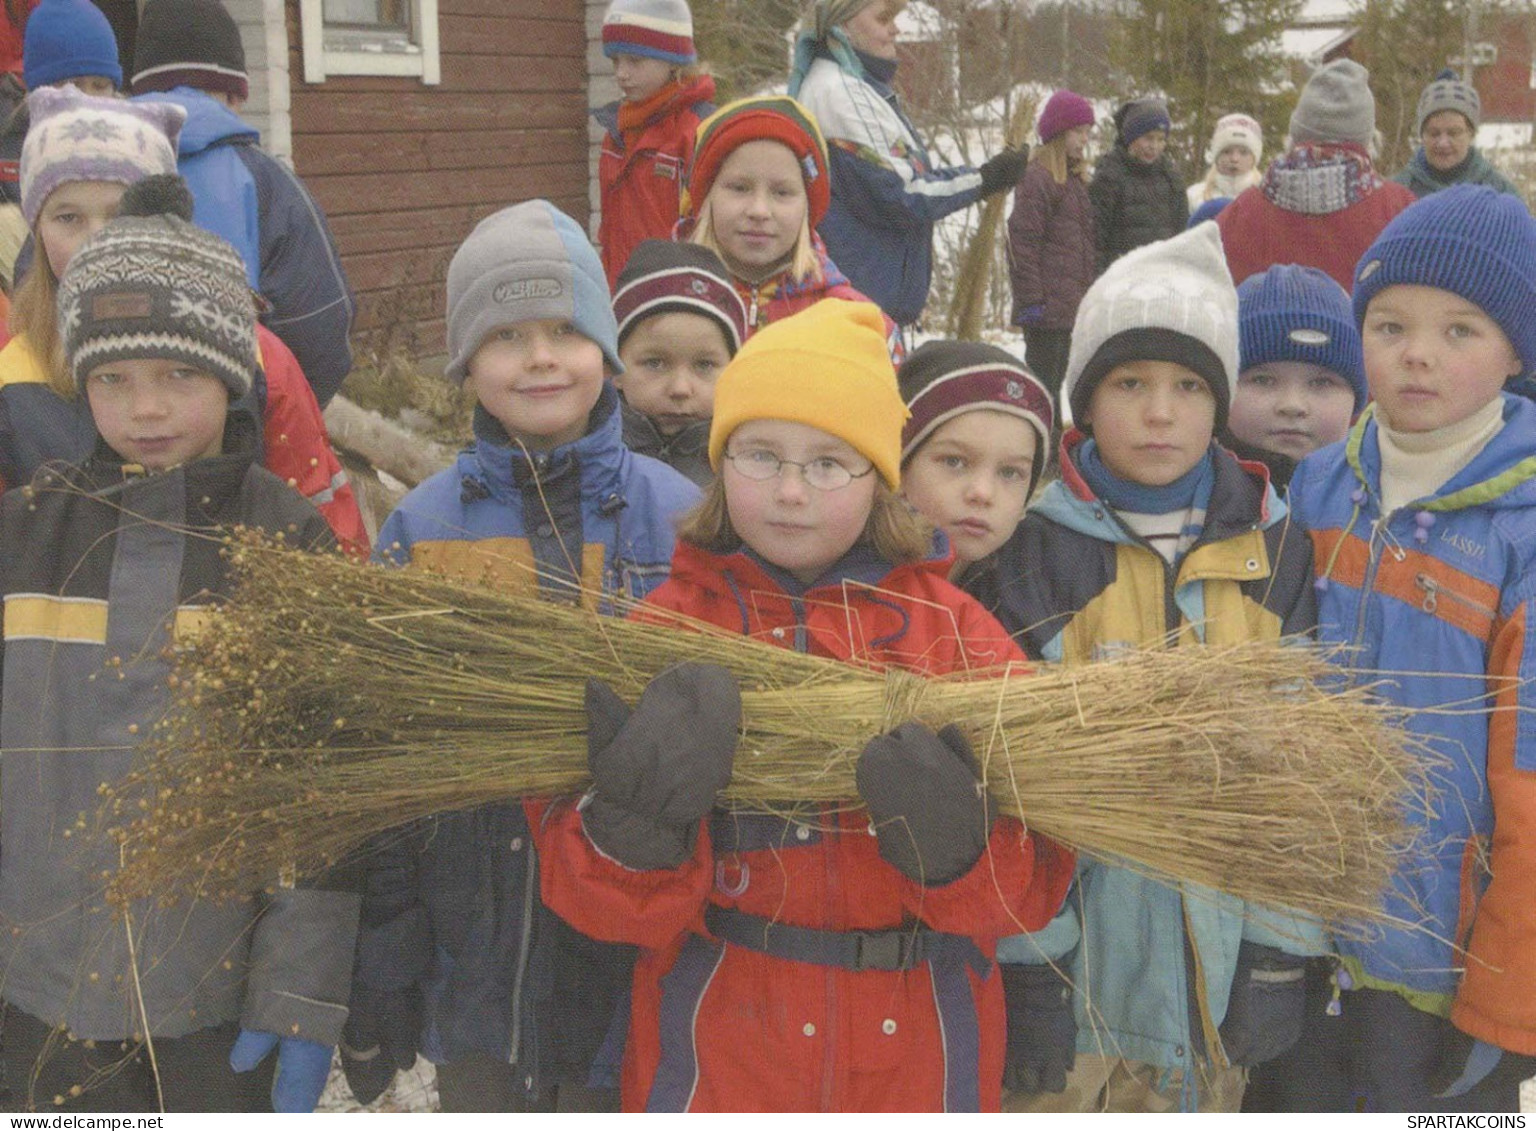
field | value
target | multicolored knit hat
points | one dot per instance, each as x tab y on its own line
1470	240
662	277
192	43
828	367
657	29
1294	313
1063	112
1447	92
942	380
69	39
74	137
158	287
774	117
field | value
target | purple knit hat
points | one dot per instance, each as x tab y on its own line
1063	112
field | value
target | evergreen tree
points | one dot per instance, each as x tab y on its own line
745	42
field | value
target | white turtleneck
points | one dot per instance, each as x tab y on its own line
1417	464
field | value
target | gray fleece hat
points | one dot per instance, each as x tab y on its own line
1336	106
524	263
1448	92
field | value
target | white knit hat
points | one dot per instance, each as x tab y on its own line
1237	129
1166	301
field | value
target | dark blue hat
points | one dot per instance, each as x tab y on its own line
1293	313
1208	210
68	39
1141	116
1469	240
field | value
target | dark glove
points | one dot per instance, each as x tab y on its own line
1267	1006
379	1039
1003	170
656	770
1042	1029
303	1066
1464	1062
928	807
1030	315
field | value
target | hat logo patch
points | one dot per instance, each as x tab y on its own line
808	163
1015	390
1305	337
520	290
1368	270
134	304
698	287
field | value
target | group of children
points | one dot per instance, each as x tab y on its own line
730	438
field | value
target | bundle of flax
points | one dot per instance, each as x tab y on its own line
329	702
968	309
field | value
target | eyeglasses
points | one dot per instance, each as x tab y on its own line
824	473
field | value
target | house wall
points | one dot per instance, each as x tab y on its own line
1505	86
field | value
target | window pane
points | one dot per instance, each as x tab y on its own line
378	14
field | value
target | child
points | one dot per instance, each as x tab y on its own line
516	1005
1237	146
680	322
80	156
106	566
1302	378
975	445
1153	536
648	135
785	967
1422	524
1050	236
1138	196
757	189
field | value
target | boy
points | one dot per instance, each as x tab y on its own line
680	322
1422	524
458	953
1302	378
1154	536
106	565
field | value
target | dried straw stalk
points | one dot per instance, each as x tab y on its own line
968	310
331	702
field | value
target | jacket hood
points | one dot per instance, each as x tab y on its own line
209	121
597	457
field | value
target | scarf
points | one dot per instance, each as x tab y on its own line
1171	517
1316	180
636	116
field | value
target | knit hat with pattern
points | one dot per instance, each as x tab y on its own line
1294	313
1447	92
657	29
192	43
74	137
1336	106
1470	240
662	276
775	117
69	39
827	367
1167	301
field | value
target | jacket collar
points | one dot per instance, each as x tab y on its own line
209	122
742	572
641	435
597	457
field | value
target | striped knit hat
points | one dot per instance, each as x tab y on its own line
192	43
1470	240
657	29
775	117
662	277
158	287
74	137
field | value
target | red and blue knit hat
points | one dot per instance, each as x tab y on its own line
1470	240
1295	313
657	29
775	117
663	277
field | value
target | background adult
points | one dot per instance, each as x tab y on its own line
886	194
1321	202
1237	147
1448	116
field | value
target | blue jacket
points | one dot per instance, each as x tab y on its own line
1442	587
453	905
246	196
885	193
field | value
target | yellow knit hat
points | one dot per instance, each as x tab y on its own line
827	367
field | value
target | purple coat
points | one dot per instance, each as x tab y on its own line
1050	247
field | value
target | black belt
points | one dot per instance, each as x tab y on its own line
901	949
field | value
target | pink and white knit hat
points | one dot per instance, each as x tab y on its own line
658	29
75	137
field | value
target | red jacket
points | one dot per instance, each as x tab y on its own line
720	1027
646	150
297	449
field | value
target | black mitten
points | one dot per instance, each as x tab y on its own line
1003	170
379	1039
1042	1028
928	806
1267	1006
657	770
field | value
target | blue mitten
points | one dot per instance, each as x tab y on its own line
302	1067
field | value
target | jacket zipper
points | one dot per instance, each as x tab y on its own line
1433	591
530	884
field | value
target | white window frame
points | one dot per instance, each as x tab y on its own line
420	60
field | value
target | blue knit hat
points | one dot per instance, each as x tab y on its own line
69	39
1141	116
527	262
1209	210
1293	313
1469	240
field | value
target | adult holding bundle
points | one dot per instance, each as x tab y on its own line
886	192
1448	115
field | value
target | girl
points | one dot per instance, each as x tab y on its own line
648	135
80	155
1138	195
757	189
974	447
1050	236
800	963
1237	145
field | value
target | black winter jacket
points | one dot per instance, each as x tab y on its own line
1135	203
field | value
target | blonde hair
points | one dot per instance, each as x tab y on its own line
803	264
1053	155
34	316
896	531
